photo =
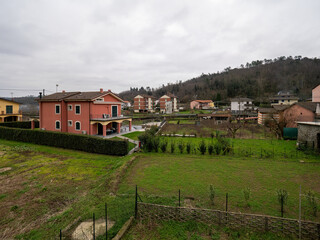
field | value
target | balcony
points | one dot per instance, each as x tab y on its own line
4	113
106	117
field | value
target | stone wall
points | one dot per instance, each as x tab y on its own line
259	223
307	134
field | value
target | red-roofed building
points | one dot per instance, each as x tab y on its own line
168	103
93	113
143	103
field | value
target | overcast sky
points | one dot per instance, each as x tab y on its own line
86	45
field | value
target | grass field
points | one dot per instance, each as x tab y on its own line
133	135
47	189
274	150
164	174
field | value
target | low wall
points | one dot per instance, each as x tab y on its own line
259	223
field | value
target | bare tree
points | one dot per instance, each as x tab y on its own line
234	127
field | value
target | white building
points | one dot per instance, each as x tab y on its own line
241	104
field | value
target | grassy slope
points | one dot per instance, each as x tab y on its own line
162	175
133	135
48	188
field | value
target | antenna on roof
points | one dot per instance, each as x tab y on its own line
12	96
57	85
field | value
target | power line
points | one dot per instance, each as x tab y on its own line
20	89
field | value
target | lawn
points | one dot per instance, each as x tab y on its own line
48	189
133	135
163	175
279	150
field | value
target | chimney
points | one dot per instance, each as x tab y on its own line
318	109
101	90
63	91
109	90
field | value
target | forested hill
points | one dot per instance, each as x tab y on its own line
257	80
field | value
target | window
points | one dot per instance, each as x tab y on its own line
57	109
57	124
78	109
69	107
78	126
70	123
9	109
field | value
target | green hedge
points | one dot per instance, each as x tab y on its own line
66	140
25	125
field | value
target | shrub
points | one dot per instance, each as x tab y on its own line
246	194
163	145
188	147
312	201
212	194
23	125
282	198
80	142
210	149
181	146
172	147
156	144
202	147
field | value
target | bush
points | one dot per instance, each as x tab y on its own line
66	140
246	194
23	125
163	145
282	198
172	147
156	144
212	194
188	147
181	146
312	201
210	149
202	147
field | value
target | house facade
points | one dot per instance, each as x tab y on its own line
309	135
143	103
165	105
283	99
316	94
92	113
301	112
202	104
239	105
9	111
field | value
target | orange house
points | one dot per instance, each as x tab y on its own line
93	113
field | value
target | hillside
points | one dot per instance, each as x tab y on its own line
259	80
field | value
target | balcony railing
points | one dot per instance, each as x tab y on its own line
13	113
106	116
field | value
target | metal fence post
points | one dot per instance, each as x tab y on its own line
94	227
226	205
106	210
179	197
60	235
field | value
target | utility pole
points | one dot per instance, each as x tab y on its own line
43	92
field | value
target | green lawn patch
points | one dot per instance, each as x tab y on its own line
164	174
133	135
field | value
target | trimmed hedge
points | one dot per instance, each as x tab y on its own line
25	124
66	140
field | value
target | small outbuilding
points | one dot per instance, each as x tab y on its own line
309	134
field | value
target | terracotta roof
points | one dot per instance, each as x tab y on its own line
203	101
267	110
280	107
76	96
241	100
308	105
9	100
57	96
146	96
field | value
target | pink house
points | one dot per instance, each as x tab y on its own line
316	94
301	112
92	113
